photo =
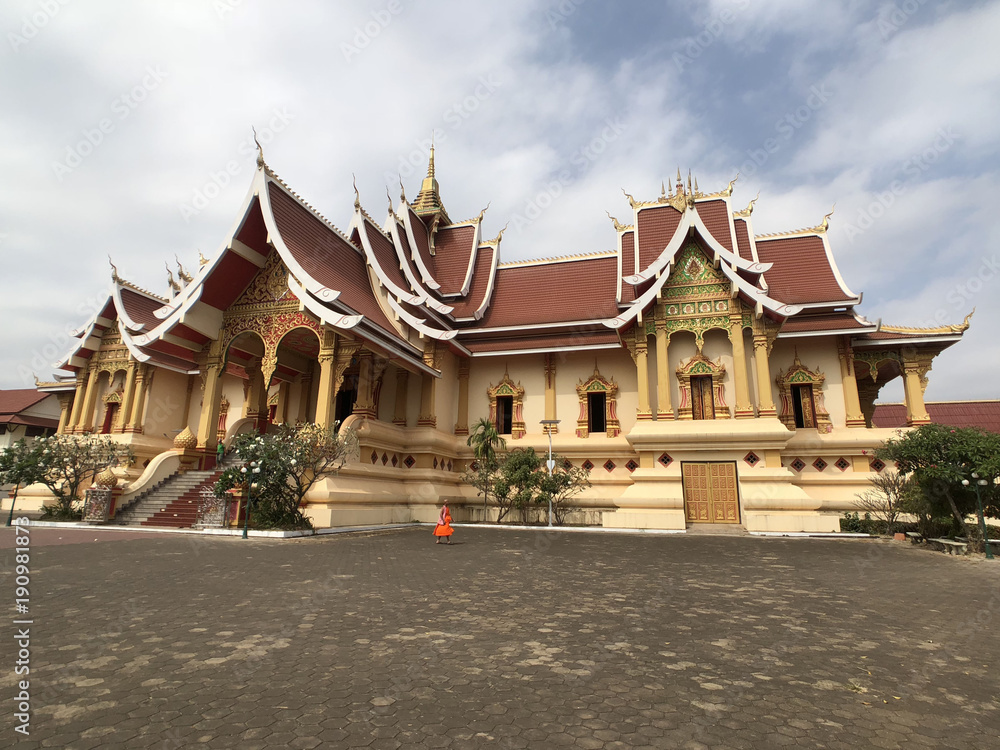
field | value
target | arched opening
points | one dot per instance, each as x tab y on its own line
244	358
294	384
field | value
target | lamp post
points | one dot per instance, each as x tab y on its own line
550	464
982	518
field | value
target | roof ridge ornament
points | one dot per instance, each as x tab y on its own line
357	195
260	149
618	225
202	260
402	191
632	201
181	273
175	288
825	224
745	213
114	271
945	329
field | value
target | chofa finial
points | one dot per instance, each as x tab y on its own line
260	149
114	271
357	195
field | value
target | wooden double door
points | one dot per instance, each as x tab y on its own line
711	493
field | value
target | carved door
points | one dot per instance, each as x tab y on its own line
702	401
711	494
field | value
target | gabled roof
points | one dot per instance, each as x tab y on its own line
982	414
803	271
12	402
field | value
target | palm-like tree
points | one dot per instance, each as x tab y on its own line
485	441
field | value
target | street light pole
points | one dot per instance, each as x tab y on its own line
550	464
982	516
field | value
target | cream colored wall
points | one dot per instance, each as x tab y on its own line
232	389
573	368
528	370
446	395
682	348
165	405
815	353
413	397
387	396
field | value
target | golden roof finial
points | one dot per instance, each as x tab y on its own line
697	190
114	271
202	260
749	209
968	320
680	184
631	200
729	190
402	192
483	212
389	197
690	190
174	286
357	195
181	273
618	225
260	149
430	162
663	189
826	219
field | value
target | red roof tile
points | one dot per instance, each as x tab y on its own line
140	308
982	414
716	216
656	227
554	292
17	400
628	265
801	273
743	239
826	322
385	254
420	237
467	306
452	251
327	257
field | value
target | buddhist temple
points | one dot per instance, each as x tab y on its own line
700	372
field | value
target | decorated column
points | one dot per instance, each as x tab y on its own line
79	397
744	409
664	410
462	425
428	387
550	393
765	399
126	408
90	403
365	406
848	376
327	396
65	405
208	421
639	354
914	382
138	399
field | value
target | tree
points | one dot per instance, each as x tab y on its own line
18	466
485	441
518	480
888	497
65	463
566	481
281	467
939	458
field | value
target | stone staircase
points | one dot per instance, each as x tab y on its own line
172	503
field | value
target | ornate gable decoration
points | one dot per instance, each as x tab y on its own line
814	413
597	383
269	286
506	387
697	297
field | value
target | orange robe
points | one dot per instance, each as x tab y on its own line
443	527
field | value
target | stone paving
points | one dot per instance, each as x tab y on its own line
506	639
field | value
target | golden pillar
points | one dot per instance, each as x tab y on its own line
914	382
664	410
126	408
327	397
852	399
744	409
138	399
402	387
550	393
640	355
281	414
78	398
428	388
208	421
462	425
90	403
765	398
365	405
65	405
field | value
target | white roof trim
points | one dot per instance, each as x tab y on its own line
419	324
428	300
415	251
324	314
503	329
546	350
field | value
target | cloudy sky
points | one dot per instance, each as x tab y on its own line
125	131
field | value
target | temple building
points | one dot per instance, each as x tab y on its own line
700	372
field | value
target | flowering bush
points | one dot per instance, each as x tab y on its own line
280	468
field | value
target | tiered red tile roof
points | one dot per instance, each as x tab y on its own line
982	414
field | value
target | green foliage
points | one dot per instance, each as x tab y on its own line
485	441
281	467
65	463
18	466
939	458
523	480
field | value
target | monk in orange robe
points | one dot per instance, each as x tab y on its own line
443	528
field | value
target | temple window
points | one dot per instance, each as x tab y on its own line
802	404
505	414
703	394
506	407
598	406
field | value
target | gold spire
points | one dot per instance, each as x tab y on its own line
428	201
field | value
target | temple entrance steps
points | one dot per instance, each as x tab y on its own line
716	529
174	503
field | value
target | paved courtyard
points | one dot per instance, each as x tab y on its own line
506	639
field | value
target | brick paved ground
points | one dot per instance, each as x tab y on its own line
508	640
